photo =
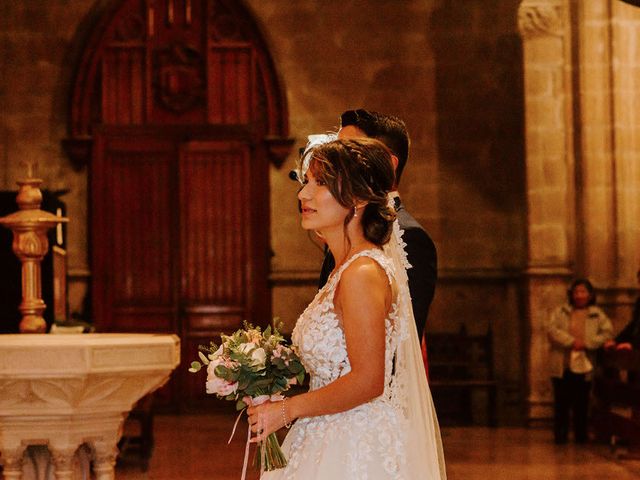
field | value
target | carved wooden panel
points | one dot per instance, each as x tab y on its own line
123	86
215	236
141	228
231	71
178	84
183	62
135	252
178	56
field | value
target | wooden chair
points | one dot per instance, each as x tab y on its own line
616	405
460	365
136	443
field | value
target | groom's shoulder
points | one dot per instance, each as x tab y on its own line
413	230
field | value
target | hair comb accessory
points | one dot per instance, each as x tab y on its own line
313	141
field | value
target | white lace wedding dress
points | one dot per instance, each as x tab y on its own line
371	441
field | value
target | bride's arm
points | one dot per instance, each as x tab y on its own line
363	299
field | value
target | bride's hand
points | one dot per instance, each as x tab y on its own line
265	419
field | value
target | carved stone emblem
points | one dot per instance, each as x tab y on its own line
179	82
538	18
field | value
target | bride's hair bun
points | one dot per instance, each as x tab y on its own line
359	171
377	222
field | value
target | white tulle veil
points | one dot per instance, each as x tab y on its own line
409	389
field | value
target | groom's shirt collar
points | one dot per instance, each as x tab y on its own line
395	196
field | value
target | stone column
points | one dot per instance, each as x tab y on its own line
104	460
544	28
596	230
609	150
11	459
625	70
63	462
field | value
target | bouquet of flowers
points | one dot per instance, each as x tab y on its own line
252	366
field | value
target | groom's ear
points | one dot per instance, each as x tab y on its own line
394	162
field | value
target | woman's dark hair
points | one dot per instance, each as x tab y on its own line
587	284
358	170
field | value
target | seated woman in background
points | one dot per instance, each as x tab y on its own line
575	330
629	337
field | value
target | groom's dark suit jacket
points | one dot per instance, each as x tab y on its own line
421	253
631	332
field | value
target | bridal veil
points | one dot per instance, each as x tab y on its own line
410	390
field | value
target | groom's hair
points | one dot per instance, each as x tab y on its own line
389	129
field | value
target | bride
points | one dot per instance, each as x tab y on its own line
368	413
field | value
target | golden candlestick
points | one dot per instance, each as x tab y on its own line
29	226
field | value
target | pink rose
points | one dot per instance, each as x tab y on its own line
216	384
221	387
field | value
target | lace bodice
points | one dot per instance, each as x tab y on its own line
319	336
365	442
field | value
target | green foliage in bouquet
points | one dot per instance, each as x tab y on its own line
249	363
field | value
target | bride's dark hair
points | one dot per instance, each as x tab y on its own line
358	170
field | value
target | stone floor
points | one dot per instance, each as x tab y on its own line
194	447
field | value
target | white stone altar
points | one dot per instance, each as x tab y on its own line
64	398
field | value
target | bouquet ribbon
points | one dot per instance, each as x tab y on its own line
251	401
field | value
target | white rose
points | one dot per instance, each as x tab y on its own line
258	357
246	347
217	353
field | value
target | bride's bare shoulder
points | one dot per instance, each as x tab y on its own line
362	276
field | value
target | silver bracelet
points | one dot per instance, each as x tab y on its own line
284	414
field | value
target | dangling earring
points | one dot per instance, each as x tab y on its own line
355	211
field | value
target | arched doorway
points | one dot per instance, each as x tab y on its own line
177	109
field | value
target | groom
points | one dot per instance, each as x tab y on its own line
421	251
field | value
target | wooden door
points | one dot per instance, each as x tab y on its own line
177	108
179	235
133	233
